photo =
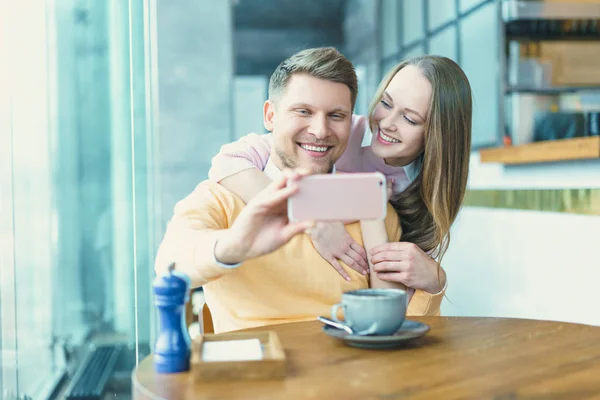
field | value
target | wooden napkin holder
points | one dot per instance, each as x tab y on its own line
271	366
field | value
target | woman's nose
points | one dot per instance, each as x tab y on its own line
388	123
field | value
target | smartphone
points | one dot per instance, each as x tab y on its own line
339	197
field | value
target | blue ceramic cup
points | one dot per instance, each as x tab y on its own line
372	311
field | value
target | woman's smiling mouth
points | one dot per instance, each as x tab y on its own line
385	139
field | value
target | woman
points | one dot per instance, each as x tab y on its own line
420	120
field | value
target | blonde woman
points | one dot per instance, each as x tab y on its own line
420	122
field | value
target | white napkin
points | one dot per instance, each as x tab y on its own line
232	350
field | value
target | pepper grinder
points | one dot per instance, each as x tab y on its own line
172	350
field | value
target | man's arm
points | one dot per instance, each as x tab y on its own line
198	222
204	247
247	183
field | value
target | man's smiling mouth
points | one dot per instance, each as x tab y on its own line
321	149
315	149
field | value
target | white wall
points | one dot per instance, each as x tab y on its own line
526	264
513	263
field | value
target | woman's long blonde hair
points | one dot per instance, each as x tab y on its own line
430	204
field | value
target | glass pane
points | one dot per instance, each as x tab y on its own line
444	43
362	100
466	5
412	21
77	190
415	51
369	77
250	93
31	205
8	339
480	61
387	65
440	12
389	27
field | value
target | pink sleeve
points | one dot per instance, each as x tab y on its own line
352	159
250	151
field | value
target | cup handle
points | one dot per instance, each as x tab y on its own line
334	311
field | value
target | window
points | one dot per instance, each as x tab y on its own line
412	21
440	12
76	133
444	43
466	5
389	28
480	61
414	51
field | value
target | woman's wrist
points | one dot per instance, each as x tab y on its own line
438	281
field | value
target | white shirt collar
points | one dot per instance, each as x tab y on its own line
271	170
412	170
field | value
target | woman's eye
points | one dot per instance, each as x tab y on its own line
386	104
410	121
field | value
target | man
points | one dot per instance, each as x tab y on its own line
256	267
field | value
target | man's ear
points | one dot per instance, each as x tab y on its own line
268	115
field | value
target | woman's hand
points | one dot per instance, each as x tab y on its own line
333	243
390	186
406	263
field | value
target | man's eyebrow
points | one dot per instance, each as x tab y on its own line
410	110
341	109
306	105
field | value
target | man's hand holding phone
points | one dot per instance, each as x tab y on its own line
263	225
339	197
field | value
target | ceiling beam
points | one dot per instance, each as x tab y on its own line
263	48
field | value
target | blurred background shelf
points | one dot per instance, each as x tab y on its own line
549	151
557	90
515	10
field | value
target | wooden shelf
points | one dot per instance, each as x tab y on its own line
549	151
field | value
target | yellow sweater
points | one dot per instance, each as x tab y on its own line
291	284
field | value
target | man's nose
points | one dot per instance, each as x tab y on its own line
318	127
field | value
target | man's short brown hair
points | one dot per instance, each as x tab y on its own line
323	62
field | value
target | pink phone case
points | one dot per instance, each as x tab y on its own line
339	197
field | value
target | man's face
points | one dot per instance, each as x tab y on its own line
310	122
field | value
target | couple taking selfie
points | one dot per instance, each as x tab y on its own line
232	234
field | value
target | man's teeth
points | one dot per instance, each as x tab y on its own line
314	148
388	138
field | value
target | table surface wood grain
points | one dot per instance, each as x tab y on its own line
460	357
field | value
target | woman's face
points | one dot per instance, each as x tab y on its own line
400	116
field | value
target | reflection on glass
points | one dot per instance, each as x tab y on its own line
389	27
480	61
466	5
444	43
414	51
440	12
75	248
412	21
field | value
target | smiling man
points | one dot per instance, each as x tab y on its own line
256	267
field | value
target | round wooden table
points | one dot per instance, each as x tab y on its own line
459	358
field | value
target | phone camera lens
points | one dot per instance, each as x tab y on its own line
380	183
